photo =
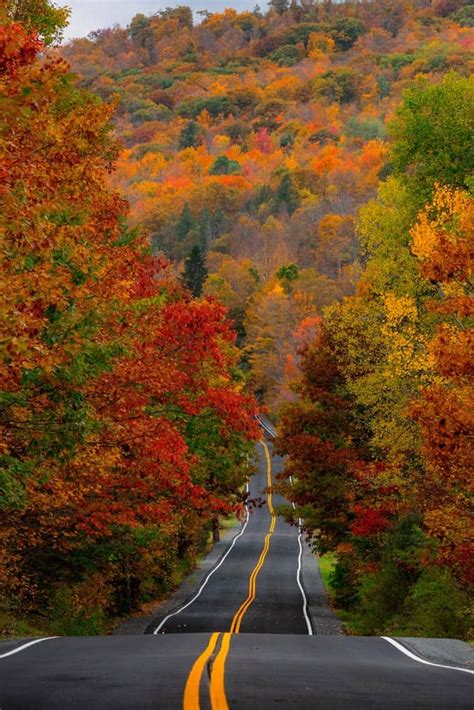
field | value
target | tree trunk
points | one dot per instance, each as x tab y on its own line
215	530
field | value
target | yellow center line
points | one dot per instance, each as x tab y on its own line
191	692
237	620
218	698
217	685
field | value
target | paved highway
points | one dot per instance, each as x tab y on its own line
243	639
257	588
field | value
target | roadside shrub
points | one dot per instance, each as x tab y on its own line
70	616
436	606
380	598
343	583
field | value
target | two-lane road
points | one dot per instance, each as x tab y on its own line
257	587
243	639
260	672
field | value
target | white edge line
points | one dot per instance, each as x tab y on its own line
206	580
298	572
27	645
411	655
298	579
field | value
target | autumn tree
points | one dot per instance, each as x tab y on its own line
432	131
195	271
319	435
443	243
41	16
106	366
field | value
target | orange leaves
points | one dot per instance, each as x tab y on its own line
328	160
107	362
443	238
18	48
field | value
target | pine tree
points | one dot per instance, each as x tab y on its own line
280	6
195	271
288	194
186	223
190	137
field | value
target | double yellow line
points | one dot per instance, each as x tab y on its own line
191	700
237	620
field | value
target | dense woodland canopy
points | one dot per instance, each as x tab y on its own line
308	168
124	429
257	137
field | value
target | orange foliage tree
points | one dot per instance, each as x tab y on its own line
124	430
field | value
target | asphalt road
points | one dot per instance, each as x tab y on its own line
262	671
272	658
277	604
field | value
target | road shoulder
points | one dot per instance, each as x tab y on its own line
449	652
325	620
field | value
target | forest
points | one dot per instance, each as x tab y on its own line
205	216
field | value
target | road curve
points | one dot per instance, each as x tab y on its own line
257	588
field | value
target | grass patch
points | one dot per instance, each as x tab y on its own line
228	523
11	627
327	563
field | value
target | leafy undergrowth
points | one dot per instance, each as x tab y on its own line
64	619
11	627
327	563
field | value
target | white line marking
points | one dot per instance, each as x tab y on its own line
206	580
27	645
422	660
298	571
298	579
264	426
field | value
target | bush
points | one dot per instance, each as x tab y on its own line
380	599
436	607
69	620
343	583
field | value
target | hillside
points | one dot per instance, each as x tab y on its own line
258	137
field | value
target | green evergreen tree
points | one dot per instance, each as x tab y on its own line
287	194
190	136
195	271
287	274
280	6
186	223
